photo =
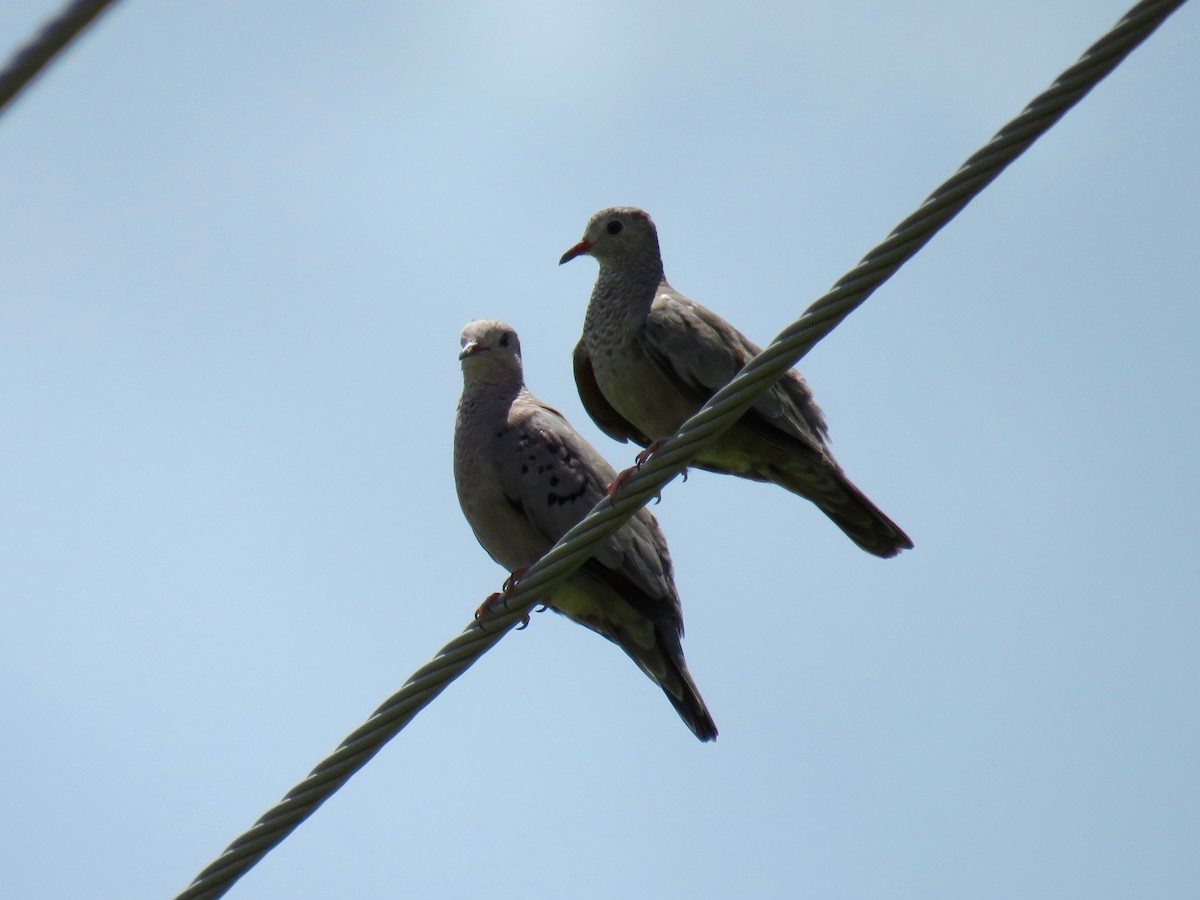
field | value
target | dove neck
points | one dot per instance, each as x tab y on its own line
629	287
494	383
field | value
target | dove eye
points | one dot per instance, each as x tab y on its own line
504	340
614	227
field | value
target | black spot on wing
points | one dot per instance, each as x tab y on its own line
553	498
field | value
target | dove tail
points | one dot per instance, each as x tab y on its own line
861	520
621	617
690	706
665	666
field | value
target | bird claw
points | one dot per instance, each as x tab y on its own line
653	447
488	606
619	481
540	608
516	575
640	460
499	599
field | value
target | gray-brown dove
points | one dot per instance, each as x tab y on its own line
649	358
525	476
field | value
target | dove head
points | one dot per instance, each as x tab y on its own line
491	351
622	236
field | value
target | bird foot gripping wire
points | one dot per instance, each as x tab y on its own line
638	461
498	601
653	447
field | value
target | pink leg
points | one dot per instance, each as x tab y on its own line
497	601
644	457
638	461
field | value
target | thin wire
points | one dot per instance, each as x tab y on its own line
50	40
722	410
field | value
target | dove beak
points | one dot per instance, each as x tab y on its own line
579	249
470	348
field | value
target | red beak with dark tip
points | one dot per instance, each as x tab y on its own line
578	250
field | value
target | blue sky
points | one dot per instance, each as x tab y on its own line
239	244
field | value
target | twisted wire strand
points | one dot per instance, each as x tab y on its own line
50	40
722	410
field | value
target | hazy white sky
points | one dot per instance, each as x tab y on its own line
238	244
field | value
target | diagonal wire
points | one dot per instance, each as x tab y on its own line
721	411
53	37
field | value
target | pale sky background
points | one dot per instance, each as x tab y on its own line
238	243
